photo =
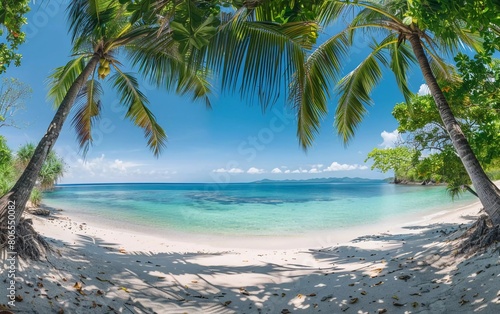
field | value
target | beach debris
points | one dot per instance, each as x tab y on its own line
379	283
312	295
283	294
398	304
124	289
99	292
414	304
79	288
330	296
463	301
194	281
353	300
285	311
19	298
104	280
299	296
244	291
395	297
363	292
39	285
382	311
122	250
60	311
227	303
404	277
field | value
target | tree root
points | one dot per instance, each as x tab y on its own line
28	243
480	236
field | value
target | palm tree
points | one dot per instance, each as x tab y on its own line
102	31
392	29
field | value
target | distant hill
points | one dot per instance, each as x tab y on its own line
323	180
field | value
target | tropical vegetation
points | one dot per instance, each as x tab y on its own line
262	49
11	35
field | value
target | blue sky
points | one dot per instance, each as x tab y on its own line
233	142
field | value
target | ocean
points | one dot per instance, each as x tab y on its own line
260	209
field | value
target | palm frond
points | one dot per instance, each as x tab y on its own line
401	59
255	58
136	103
61	79
355	89
88	103
87	17
309	94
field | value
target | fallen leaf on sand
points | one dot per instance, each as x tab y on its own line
462	302
414	304
299	296
312	294
99	292
77	285
124	289
122	250
39	285
60	311
395	297
353	300
244	291
382	311
378	283
363	292
19	298
398	304
227	303
194	281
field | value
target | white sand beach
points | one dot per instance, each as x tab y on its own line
389	268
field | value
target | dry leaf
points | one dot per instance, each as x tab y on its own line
77	285
227	303
363	292
354	300
312	294
19	298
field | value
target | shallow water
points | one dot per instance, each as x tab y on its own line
251	208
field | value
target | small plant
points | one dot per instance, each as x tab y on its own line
36	197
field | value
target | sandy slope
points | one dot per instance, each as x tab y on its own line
399	269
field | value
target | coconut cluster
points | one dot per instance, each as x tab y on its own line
104	68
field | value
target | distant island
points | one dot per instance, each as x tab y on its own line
324	180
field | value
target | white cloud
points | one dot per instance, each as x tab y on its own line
287	171
232	170
314	170
318	166
335	166
296	171
424	90
236	170
276	170
220	170
390	139
254	170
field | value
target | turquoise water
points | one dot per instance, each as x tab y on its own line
251	208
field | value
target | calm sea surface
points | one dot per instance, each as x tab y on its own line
251	208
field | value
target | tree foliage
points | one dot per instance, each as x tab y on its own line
474	101
12	18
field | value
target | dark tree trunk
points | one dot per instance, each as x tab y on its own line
486	190
21	191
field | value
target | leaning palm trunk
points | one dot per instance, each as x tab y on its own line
21	191
487	191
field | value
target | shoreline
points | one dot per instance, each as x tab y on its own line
409	268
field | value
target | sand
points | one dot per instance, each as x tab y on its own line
386	268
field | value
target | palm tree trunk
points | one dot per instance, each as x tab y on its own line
21	191
487	191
